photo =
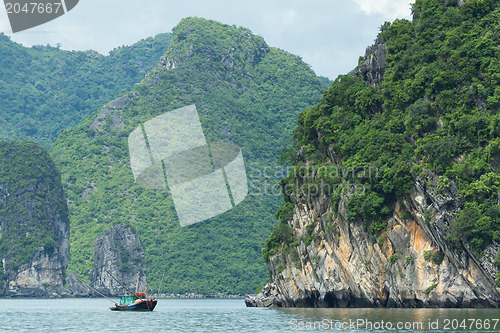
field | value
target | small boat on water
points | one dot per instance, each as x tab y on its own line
136	302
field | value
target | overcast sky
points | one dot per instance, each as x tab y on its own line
330	35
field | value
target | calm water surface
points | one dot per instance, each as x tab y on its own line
223	315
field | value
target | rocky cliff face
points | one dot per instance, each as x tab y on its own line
42	276
372	68
119	254
34	225
77	288
410	265
336	262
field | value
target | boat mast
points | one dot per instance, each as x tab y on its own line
137	285
159	289
121	284
95	290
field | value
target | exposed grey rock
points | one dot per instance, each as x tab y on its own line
119	254
77	288
42	276
487	260
454	2
373	67
111	113
268	297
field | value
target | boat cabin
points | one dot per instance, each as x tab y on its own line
131	299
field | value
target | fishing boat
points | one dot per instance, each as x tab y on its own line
139	301
136	302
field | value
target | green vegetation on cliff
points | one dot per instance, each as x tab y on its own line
435	113
33	211
245	92
44	89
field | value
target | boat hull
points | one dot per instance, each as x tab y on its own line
144	306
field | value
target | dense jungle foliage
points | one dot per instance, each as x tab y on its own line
245	92
436	113
44	89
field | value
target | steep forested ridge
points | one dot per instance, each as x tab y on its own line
33	217
44	89
433	121
245	92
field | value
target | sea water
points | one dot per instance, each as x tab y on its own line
231	315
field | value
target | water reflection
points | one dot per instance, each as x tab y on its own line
371	320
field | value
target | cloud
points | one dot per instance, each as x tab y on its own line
390	9
4	21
